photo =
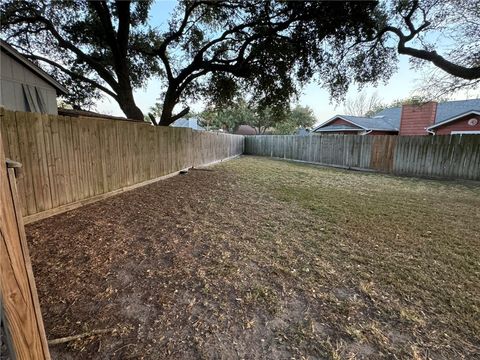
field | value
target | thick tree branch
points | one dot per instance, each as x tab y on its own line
72	73
102	11
175	35
180	114
62	42
464	72
431	56
442	63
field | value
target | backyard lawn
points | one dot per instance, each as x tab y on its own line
256	258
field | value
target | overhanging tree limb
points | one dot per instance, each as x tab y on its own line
71	73
464	72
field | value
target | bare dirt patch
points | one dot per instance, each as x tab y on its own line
266	259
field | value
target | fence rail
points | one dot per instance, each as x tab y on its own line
450	157
68	160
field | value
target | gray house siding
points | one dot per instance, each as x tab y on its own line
14	76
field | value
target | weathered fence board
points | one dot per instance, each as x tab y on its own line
451	157
68	160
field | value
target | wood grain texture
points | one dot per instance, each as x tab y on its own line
18	292
67	160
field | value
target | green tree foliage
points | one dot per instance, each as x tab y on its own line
262	119
298	117
215	50
266	118
227	118
211	49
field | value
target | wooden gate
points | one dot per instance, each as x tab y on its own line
383	149
20	309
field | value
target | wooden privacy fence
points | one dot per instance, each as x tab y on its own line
450	157
20	313
69	161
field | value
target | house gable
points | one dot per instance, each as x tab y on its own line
469	122
340	121
16	79
340	125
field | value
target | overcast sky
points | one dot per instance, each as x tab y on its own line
401	85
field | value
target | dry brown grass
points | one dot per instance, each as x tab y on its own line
269	259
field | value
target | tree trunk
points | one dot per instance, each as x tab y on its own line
169	102
128	106
167	112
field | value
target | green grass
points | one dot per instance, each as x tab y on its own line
397	260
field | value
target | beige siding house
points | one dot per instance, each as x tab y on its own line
24	86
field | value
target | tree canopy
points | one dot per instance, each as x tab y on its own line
211	49
215	50
227	118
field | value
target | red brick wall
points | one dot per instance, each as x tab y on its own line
459	125
415	118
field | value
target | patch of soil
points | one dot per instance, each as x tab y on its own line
170	267
214	264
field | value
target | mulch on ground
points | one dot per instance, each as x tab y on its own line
256	258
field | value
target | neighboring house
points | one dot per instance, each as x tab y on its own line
302	132
24	86
191	123
91	114
451	117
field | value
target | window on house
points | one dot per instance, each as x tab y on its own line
34	99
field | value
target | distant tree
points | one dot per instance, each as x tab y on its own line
298	117
227	118
265	118
363	104
154	114
208	119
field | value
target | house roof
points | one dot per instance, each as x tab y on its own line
450	109
191	123
302	132
340	128
389	119
86	113
379	123
245	130
8	49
